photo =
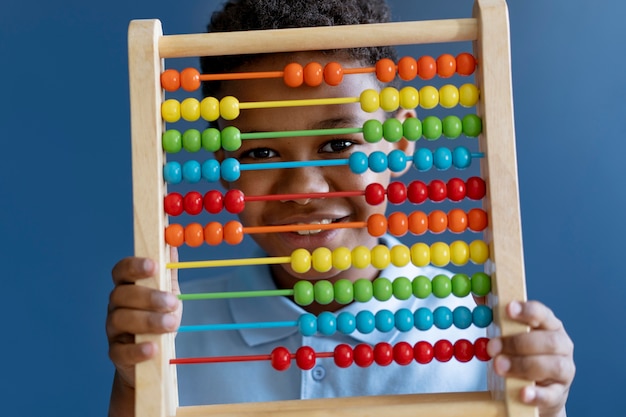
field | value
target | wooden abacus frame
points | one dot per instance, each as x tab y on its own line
156	387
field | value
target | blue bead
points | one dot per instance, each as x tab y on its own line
461	157
442	318
482	316
404	320
346	323
384	321
211	170
442	158
307	323
326	323
172	173
358	162
423	159
192	172
423	318
462	317
377	161
365	322
230	169
396	160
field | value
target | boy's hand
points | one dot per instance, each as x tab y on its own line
544	355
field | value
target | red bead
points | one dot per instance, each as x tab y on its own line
403	353
374	194
456	189
465	63
280	358
305	357
173	204
463	350
396	192
476	188
437	190
234	201
192	202
417	192
363	355
383	354
213	201
343	355
385	70
423	352
480	349
443	350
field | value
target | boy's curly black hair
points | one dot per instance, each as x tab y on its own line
240	15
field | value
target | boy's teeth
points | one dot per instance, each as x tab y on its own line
311	232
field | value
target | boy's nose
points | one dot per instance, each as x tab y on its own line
302	181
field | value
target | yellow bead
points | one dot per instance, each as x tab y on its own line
479	252
429	97
300	261
170	110
468	95
229	108
389	99
342	258
409	98
361	257
190	109
420	254
400	255
440	254
448	96
210	109
322	259
459	252
381	257
370	101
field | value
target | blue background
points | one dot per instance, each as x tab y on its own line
65	189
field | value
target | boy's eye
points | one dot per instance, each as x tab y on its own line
336	145
259	153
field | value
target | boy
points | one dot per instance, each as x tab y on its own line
544	355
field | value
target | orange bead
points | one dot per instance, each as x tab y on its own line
426	67
437	221
377	225
194	234
465	64
213	233
398	223
233	232
190	79
293	75
333	73
457	220
170	80
477	219
446	66
407	68
385	70
418	222
313	74
174	235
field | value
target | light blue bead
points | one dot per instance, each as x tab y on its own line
423	318
482	316
358	162
346	323
384	321
377	161
326	323
442	317
423	159
396	160
211	170
307	324
365	322
461	157
442	158
403	319
172	173
192	171
230	170
462	317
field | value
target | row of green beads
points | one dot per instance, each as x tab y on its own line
432	128
344	291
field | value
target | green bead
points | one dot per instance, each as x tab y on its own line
432	127
303	293
461	285
383	289
472	125
442	286
452	127
422	286
372	131
392	130
192	140
481	284
231	138
363	290
172	141
324	292
344	292
211	139
402	288
412	128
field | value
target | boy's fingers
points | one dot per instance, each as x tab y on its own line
537	342
142	298
125	320
129	270
547	397
534	314
127	355
545	369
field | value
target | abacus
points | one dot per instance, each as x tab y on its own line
498	219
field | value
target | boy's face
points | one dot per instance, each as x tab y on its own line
310	179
